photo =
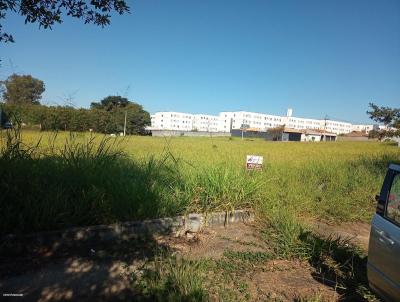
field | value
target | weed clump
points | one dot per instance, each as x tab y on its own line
172	279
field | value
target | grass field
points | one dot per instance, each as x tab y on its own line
79	179
50	181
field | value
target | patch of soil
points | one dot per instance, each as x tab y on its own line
277	280
72	279
283	280
355	232
213	241
95	272
101	273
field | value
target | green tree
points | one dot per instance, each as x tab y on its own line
389	116
70	119
110	103
46	13
23	90
136	117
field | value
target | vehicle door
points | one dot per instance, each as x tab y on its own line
384	250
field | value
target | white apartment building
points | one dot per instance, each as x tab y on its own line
204	122
179	121
236	119
368	128
172	121
228	120
336	127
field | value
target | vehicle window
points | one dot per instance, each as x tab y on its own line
393	204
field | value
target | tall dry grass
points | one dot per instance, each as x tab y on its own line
50	181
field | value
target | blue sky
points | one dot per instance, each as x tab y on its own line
318	57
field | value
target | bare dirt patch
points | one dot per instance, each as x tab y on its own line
270	280
85	273
276	280
289	281
102	273
212	242
355	232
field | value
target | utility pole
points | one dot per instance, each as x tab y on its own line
125	124
326	117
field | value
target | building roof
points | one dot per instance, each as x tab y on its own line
252	129
309	131
291	130
319	132
356	134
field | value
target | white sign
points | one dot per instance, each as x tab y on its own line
254	162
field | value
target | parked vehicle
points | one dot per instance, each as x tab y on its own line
384	243
8	125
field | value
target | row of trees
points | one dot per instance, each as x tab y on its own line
22	94
70	119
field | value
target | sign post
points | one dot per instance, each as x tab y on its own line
254	162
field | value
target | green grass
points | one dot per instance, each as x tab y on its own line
82	179
172	278
50	181
338	263
168	278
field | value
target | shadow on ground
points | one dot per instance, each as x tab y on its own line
340	264
82	183
88	270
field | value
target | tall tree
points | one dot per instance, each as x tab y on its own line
110	103
23	90
137	118
389	116
48	12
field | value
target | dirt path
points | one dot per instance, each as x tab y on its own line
102	273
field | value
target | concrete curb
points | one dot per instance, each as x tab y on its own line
176	226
